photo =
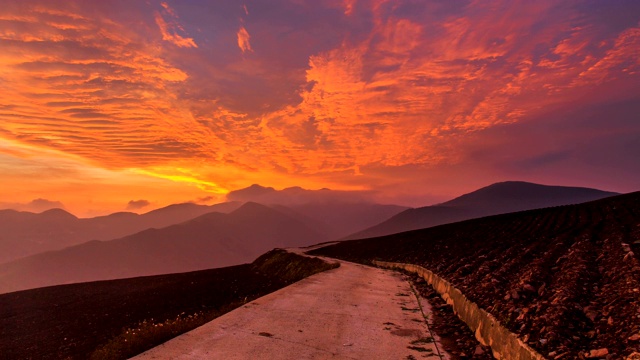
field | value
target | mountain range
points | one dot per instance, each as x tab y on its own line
25	233
333	213
209	241
338	213
217	239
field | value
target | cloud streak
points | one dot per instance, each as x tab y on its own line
243	40
171	31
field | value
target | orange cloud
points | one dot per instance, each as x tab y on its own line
102	88
243	39
623	55
348	6
400	97
170	31
170	36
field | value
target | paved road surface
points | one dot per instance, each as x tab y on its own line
353	312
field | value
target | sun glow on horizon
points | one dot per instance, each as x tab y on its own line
183	176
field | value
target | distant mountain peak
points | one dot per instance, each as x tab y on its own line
294	188
499	198
296	195
249	193
258	186
251	207
537	194
58	213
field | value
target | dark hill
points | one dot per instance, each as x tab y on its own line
499	198
209	241
565	279
80	320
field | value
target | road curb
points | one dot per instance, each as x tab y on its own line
487	329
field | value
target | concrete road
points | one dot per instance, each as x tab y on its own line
352	312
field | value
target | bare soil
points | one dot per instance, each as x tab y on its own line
72	321
455	336
565	279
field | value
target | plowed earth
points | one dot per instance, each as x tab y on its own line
565	279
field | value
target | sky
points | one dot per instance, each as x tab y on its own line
132	105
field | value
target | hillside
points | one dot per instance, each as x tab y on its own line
209	241
566	279
499	198
25	233
76	321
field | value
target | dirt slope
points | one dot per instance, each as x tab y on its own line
566	279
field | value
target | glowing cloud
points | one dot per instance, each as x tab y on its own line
182	176
170	32
243	39
348	6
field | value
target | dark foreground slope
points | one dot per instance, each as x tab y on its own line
209	241
566	279
120	318
499	198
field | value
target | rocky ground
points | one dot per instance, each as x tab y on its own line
120	318
565	279
456	337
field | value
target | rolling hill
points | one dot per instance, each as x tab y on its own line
209	241
499	198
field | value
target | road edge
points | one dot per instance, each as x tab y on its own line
487	329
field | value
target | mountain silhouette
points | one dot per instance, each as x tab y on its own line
209	241
499	198
25	233
339	213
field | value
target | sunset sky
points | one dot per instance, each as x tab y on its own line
115	105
